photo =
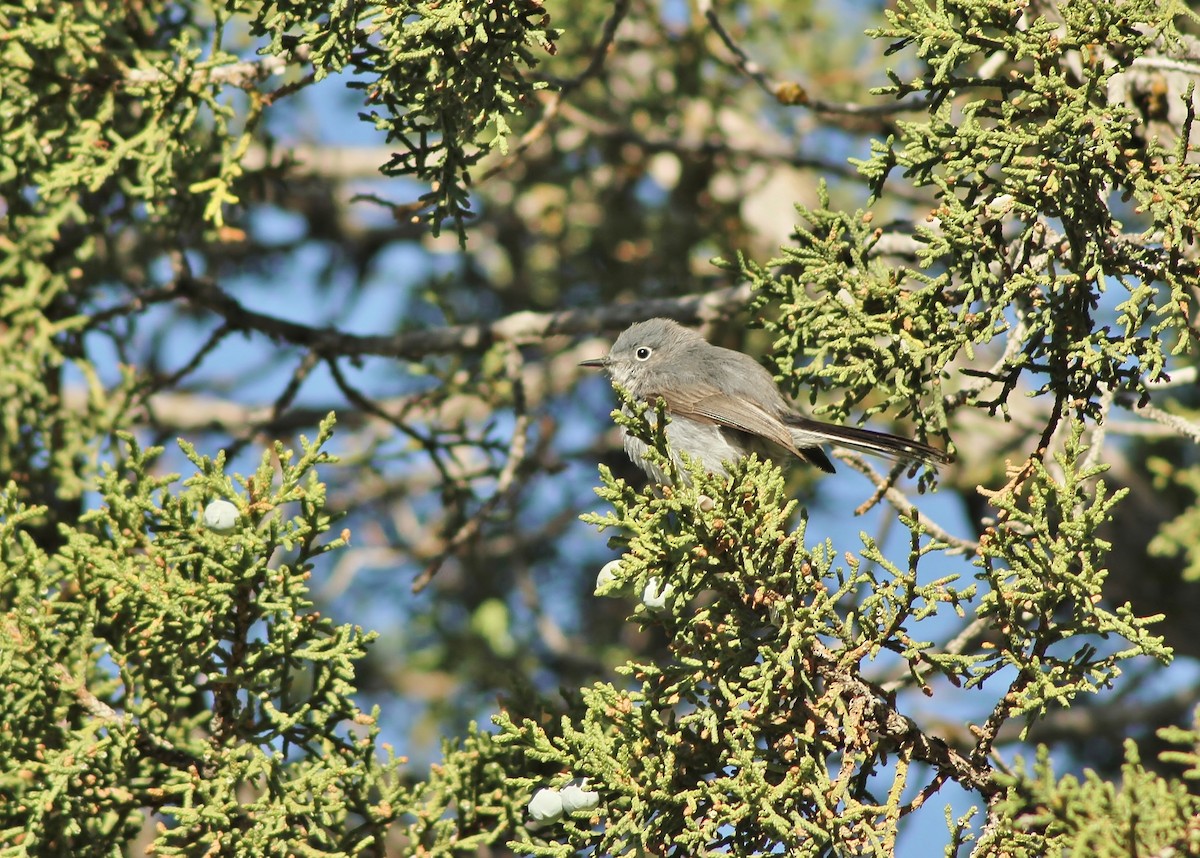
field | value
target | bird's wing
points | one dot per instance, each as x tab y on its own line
707	404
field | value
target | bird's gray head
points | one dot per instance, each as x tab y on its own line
646	350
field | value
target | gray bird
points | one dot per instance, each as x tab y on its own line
724	405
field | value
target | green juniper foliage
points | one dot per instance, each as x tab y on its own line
1143	814
1043	562
769	726
154	666
442	79
1048	200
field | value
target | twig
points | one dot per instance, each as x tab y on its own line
1140	429
291	88
186	412
1038	455
924	795
959	643
1014	344
170	382
600	51
986	735
882	485
241	74
505	483
282	402
135	305
903	505
956	646
1180	425
1165	64
368	405
151	744
745	64
791	92
1100	430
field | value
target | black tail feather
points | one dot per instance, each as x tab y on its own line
808	432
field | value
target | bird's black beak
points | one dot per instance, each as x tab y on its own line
595	363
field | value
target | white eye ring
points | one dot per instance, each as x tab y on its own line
643	353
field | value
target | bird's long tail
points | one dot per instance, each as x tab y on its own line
808	433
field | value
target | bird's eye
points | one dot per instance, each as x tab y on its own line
643	353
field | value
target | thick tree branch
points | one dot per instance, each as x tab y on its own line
903	731
520	328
